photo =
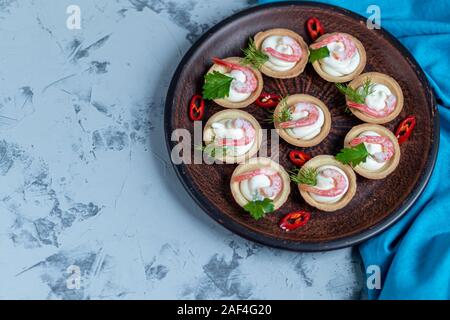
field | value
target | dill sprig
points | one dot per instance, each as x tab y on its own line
253	55
304	175
212	150
356	95
283	115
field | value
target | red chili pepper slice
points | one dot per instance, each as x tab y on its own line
315	28
196	108
405	128
295	220
298	157
268	100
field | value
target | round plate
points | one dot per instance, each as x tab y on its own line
377	203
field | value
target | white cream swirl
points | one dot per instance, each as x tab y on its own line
379	93
307	132
250	187
336	67
233	95
325	183
278	43
226	129
370	164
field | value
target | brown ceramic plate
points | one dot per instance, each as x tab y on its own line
377	203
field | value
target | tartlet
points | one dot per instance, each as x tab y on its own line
225	102
280	38
321	163
371	168
230	151
382	81
338	68
305	135
240	186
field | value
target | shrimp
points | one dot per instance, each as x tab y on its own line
386	144
288	42
248	137
388	108
276	183
309	119
250	83
349	46
339	180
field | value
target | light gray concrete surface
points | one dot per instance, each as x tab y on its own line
84	173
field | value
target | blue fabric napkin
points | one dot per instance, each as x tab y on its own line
414	254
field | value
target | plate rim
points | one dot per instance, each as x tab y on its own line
292	245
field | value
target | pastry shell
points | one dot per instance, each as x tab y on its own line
254	164
242	104
379	78
390	166
293	99
362	63
323	160
234	114
299	66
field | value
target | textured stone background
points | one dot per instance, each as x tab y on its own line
84	173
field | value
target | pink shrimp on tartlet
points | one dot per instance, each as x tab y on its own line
311	117
349	46
340	184
386	144
249	85
296	54
387	110
249	134
276	183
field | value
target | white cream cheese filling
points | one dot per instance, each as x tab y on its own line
336	67
225	129
376	100
307	132
370	164
277	43
233	95
324	183
250	188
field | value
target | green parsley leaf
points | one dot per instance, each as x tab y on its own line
216	86
354	155
317	54
356	95
259	208
304	175
253	55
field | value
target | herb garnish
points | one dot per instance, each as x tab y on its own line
283	115
253	55
356	95
354	155
317	54
259	208
212	150
304	176
216	86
